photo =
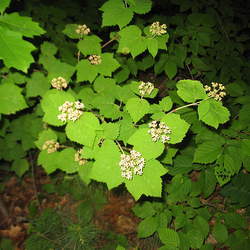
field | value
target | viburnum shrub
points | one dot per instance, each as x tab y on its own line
93	111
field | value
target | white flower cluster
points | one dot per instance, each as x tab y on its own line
157	30
59	83
131	164
70	111
159	131
146	88
95	59
78	158
216	91
82	30
51	146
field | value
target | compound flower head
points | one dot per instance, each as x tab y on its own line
82	30
157	30
131	164
51	146
145	88
159	131
59	83
70	111
216	91
95	59
78	158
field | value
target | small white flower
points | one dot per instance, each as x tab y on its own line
145	88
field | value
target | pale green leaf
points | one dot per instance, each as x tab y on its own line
44	136
110	130
106	167
143	143
70	31
50	104
86	71
137	108
21	24
48	161
149	183
178	127
11	99
66	161
132	40
152	46
116	13
3	5
213	113
84	129
90	45
14	51
190	90
85	171
108	64
166	103
141	6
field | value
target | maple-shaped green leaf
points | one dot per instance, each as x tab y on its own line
142	142
137	108
149	183
178	127
11	99
14	51
86	71
21	24
108	64
141	6
208	151
213	113
115	12
50	104
70	31
110	130
104	84
90	45
56	68
85	171
132	40
3	5
44	136
48	161
37	85
20	166
66	161
190	90
84	129
152	46
106	167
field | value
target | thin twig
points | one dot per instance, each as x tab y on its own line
189	71
108	42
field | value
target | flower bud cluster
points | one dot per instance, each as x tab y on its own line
159	131
82	30
78	158
146	88
51	146
216	91
131	164
157	30
95	59
70	111
59	83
